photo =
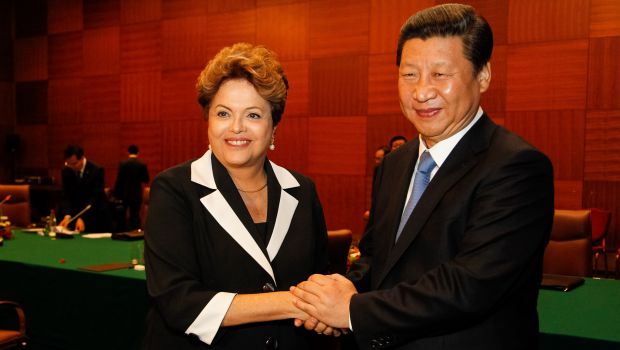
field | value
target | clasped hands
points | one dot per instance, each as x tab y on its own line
326	299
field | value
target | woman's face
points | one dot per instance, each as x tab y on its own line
240	125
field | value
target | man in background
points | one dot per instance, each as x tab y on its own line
132	175
83	185
460	217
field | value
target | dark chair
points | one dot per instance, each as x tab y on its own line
339	242
600	225
17	209
570	248
13	337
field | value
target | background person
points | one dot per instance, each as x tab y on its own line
230	232
132	176
82	185
462	270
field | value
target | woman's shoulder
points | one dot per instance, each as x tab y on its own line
177	173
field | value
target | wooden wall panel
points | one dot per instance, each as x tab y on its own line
101	99
386	18
64	101
99	142
7	104
101	13
137	11
602	146
30	61
288	35
380	129
65	55
339	86
538	79
140	46
101	51
568	194
337	145
494	99
183	140
140	94
339	27
30	18
233	27
178	96
604	73
292	144
184	43
34	139
383	85
559	134
218	6
604	18
147	136
31	102
183	8
297	99
59	136
64	16
534	20
496	13
343	201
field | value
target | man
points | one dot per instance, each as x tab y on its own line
464	269
132	176
82	185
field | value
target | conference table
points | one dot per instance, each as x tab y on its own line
69	308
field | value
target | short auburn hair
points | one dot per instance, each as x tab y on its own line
256	64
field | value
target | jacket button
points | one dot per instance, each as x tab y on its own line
268	287
271	343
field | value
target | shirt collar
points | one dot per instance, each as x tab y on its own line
442	149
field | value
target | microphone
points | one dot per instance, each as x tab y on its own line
78	214
8	196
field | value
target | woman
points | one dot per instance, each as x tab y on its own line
230	232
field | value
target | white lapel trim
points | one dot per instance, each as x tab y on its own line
286	210
217	205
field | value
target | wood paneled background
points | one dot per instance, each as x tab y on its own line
108	73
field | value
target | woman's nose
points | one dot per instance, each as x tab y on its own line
236	125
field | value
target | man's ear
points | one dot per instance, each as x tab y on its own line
484	77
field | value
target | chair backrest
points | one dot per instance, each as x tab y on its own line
15	336
17	209
570	248
600	223
339	242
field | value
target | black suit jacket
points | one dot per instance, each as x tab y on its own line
201	240
132	173
78	192
466	270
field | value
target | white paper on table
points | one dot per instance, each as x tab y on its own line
97	235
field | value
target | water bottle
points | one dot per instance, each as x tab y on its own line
51	224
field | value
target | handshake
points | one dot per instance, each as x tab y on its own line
325	300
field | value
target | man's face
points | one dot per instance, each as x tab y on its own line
74	163
438	91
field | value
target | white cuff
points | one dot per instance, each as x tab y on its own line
208	322
350	325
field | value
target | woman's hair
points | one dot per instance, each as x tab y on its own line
256	64
451	20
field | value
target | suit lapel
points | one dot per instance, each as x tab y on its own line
227	207
462	158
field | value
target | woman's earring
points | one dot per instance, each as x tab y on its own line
272	147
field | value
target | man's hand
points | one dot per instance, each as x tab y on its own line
79	225
326	298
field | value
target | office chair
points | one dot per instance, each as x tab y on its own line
339	242
17	208
569	251
11	338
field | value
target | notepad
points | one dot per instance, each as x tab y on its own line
560	282
107	267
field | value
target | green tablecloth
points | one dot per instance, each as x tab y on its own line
587	317
68	308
